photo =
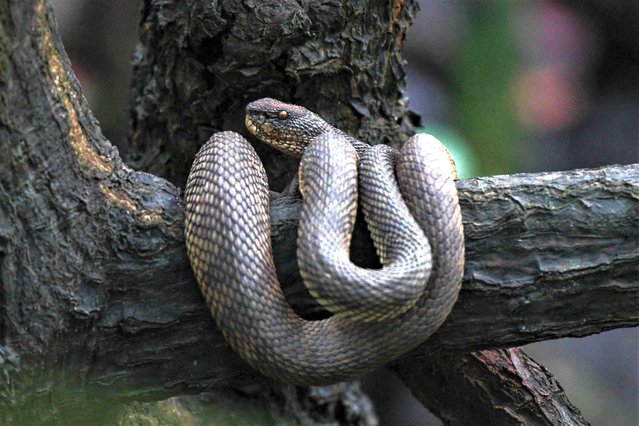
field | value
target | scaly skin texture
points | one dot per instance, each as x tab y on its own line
323	252
228	241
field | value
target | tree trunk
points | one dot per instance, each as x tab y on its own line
200	63
96	292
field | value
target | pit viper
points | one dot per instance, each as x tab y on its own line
411	208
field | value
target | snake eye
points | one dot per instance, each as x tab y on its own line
282	115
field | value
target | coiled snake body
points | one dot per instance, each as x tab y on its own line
383	313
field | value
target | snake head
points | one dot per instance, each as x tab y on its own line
288	128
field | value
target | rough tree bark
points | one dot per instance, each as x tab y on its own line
504	386
95	287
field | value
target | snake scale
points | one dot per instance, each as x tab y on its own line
411	209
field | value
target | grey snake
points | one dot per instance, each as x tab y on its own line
411	208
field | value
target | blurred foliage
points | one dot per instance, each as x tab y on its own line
68	404
71	402
484	75
460	149
191	411
72	405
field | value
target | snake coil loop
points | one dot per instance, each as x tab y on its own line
414	220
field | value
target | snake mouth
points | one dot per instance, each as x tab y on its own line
250	125
262	130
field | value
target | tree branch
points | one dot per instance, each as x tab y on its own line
496	387
594	259
548	255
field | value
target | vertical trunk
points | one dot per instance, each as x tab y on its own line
200	63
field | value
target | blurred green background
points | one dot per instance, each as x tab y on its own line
509	86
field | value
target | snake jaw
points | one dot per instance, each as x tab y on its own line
248	122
